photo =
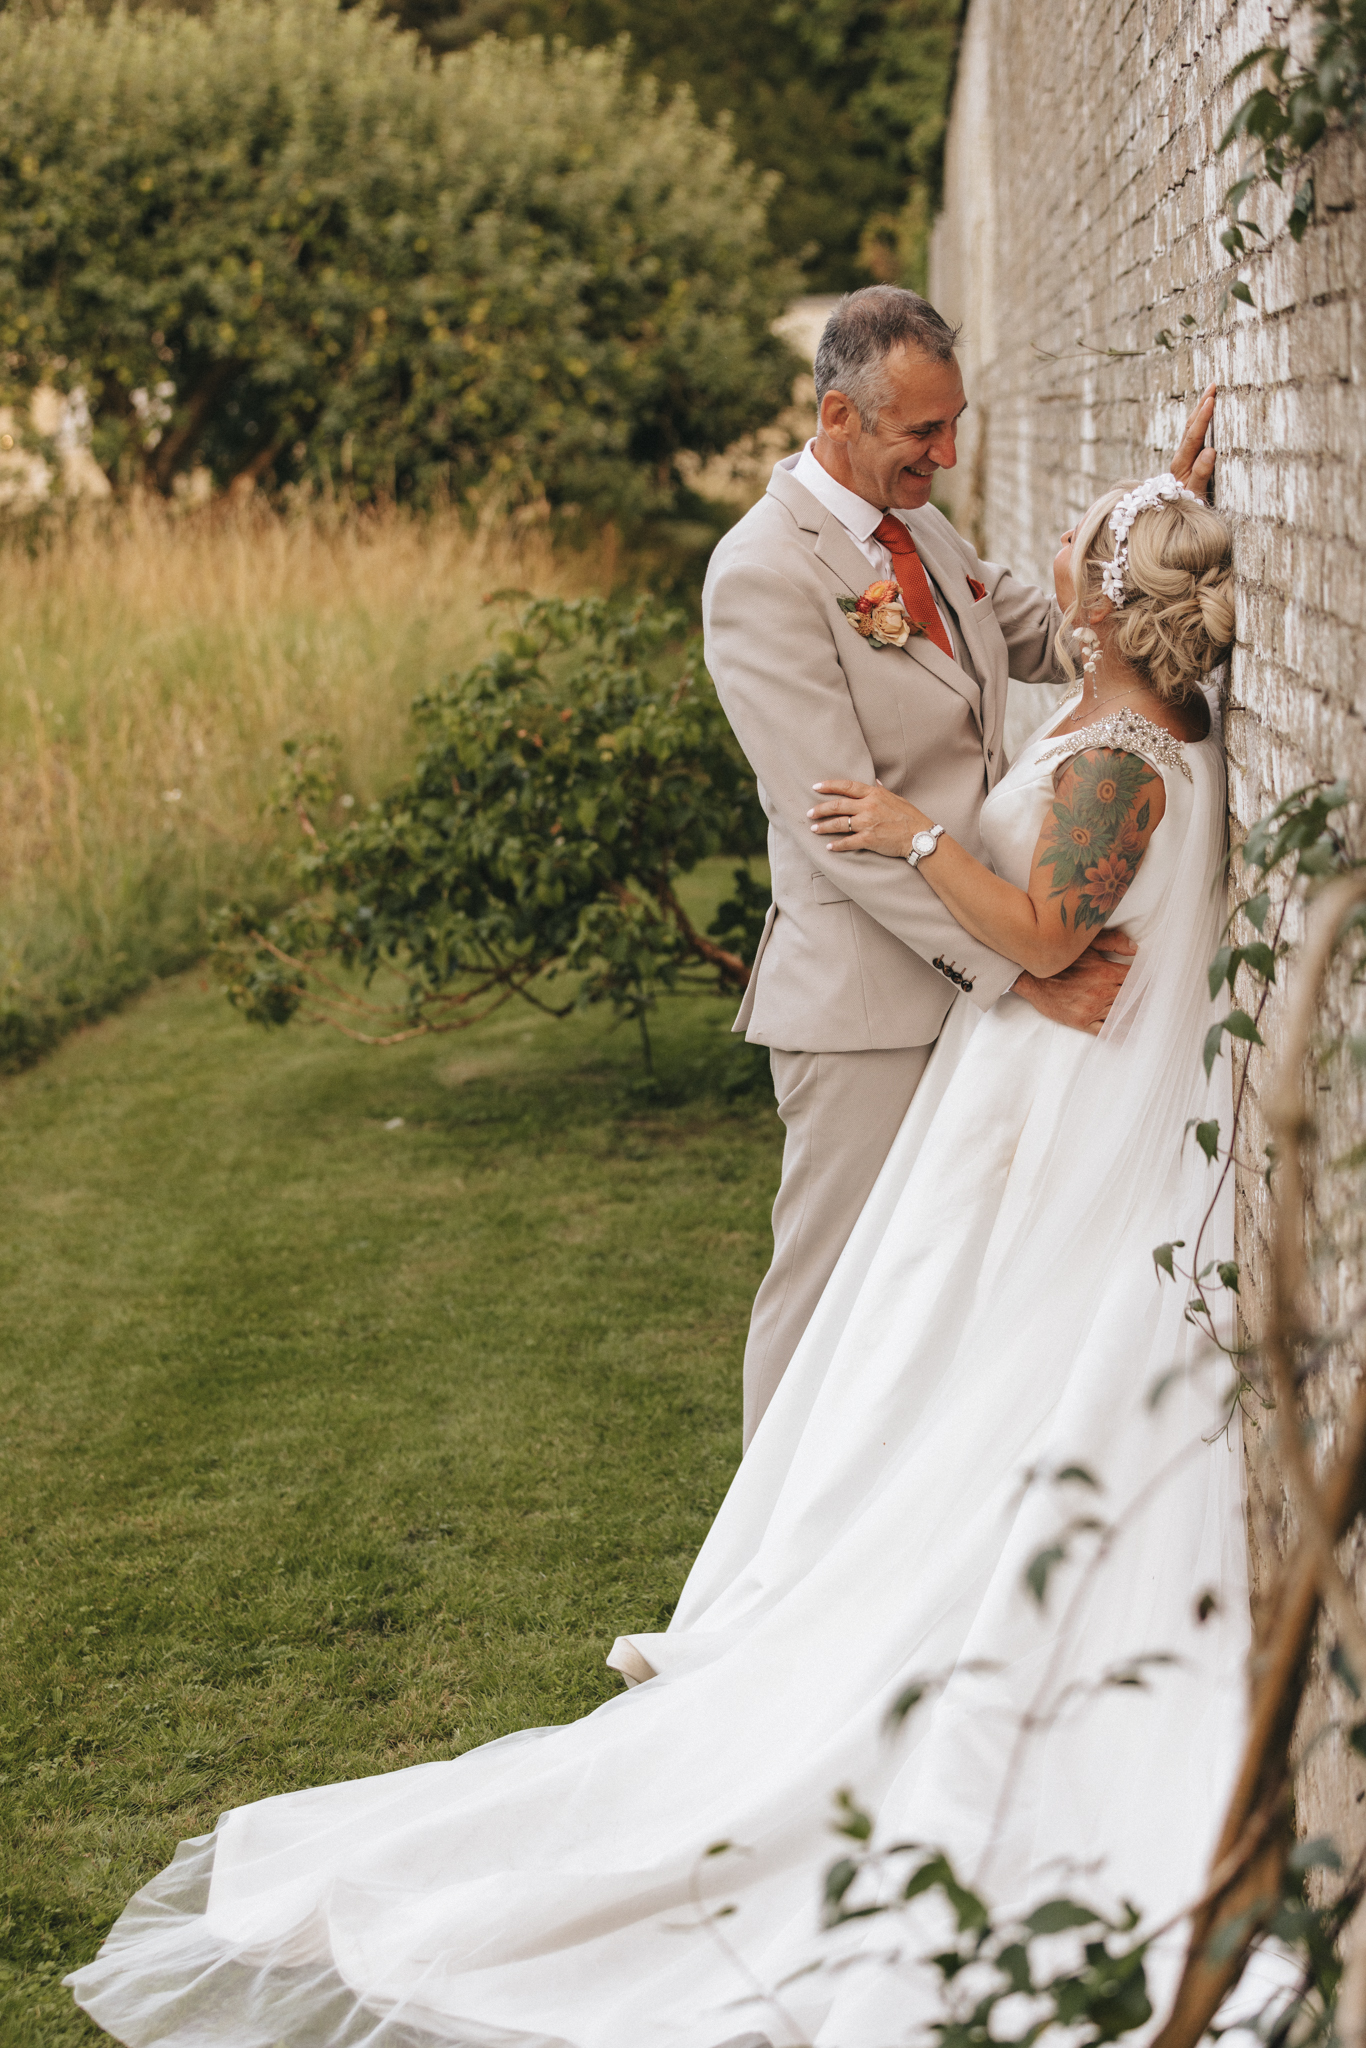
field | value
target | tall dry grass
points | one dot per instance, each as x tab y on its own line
152	664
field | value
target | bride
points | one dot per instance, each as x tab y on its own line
996	1378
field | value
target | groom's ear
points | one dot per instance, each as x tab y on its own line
838	417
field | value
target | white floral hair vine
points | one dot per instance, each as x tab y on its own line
1158	490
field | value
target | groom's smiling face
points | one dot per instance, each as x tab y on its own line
894	465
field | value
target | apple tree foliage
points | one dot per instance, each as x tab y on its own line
285	242
561	788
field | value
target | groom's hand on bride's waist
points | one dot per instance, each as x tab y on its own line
1082	995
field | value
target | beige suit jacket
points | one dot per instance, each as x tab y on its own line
847	958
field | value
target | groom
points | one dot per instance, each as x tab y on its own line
859	961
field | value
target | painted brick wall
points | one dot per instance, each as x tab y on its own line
1084	200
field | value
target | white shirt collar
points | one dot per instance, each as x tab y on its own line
854	514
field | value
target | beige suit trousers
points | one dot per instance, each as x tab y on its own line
841	1111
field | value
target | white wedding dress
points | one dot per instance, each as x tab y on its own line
995	1320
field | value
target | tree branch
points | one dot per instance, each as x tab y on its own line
733	968
1231	1916
167	455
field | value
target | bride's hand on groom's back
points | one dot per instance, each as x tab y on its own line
1082	996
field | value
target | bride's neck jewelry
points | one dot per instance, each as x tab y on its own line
1090	641
1113	696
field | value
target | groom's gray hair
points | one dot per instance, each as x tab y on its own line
861	333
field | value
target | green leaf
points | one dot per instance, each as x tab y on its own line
1244	65
1206	1605
1356	1737
1214	1039
1221	968
1239	1025
1041	1567
1255	910
1341	1668
1162	339
1162	1256
1240	291
1229	1274
1318	1854
1207	1138
1055	1915
1013	1963
854	1821
1080	1474
719	1848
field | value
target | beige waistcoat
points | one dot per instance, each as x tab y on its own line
846	962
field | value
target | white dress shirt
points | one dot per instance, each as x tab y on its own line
859	519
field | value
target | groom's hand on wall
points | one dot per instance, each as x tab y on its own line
1082	995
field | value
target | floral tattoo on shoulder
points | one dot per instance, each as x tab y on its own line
1097	832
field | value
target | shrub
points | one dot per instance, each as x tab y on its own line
283	242
562	787
152	665
845	99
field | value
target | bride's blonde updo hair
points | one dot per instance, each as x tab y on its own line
1177	620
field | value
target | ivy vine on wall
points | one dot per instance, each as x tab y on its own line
1289	114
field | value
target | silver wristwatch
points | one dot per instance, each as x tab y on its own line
923	845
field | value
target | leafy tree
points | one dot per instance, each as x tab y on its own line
845	99
562	787
282	240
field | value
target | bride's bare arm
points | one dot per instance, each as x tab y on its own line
1106	807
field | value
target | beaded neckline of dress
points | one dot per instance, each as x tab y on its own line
1129	732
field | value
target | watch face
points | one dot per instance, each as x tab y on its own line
923	842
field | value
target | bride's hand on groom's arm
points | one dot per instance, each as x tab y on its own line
864	817
1107	805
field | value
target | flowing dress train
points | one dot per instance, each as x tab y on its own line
995	1356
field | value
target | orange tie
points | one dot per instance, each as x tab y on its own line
909	571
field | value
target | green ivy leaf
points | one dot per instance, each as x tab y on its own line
1055	1915
1214	1039
1207	1138
1318	1854
1341	1668
1040	1569
1219	970
1239	1025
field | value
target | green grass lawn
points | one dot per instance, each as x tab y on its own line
333	1447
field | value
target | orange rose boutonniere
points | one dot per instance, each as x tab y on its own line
879	616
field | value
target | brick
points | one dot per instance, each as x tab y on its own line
1104	236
